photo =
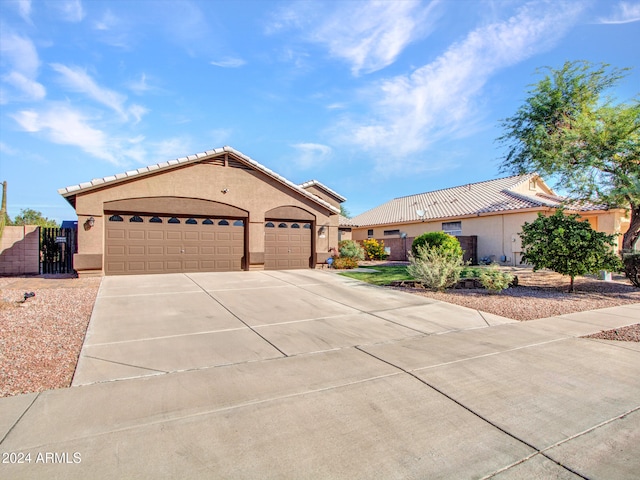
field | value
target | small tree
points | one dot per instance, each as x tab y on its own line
442	241
568	246
28	216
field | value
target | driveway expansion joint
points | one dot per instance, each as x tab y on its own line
15	424
473	412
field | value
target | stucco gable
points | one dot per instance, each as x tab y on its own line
234	158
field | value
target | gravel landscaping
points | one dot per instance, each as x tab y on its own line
41	337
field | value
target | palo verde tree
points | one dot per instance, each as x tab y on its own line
29	216
568	246
569	129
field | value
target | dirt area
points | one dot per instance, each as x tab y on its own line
41	337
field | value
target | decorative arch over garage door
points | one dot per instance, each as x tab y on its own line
172	234
288	238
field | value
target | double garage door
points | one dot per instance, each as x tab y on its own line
145	244
142	244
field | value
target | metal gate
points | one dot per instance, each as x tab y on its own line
57	246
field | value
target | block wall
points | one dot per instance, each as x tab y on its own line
20	250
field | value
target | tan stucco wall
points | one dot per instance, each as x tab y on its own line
252	191
20	250
497	234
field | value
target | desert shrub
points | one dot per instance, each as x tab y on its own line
373	249
443	241
434	268
344	263
495	280
631	262
351	249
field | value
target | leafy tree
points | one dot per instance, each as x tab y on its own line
568	246
344	212
569	129
442	241
33	217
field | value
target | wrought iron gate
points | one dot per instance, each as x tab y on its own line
57	246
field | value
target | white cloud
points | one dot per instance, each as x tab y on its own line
77	79
309	154
63	125
32	89
229	62
22	60
24	10
624	12
6	149
107	22
368	35
71	10
412	111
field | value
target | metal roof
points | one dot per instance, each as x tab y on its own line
71	191
491	196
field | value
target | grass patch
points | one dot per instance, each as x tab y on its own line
385	274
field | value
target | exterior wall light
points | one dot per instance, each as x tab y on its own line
89	223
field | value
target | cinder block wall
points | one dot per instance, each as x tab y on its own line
20	250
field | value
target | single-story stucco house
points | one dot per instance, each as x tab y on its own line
214	211
486	216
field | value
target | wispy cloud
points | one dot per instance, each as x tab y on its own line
21	58
70	10
66	125
77	79
24	10
623	12
229	62
410	112
368	35
309	154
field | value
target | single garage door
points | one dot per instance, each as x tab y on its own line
287	245
141	244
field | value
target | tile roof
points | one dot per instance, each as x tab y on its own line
491	196
72	190
311	183
346	222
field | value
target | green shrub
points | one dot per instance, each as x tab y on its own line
344	263
443	241
373	249
434	268
495	280
631	262
351	249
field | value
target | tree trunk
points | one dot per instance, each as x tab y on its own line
631	236
572	289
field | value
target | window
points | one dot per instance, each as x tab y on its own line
306	225
191	221
269	225
224	223
173	220
452	228
115	218
370	233
155	220
207	221
136	219
283	225
238	223
295	225
391	232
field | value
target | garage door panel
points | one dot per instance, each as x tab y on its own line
160	246
288	247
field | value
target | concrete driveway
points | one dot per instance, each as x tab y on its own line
307	374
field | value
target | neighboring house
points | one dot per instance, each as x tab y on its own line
492	211
214	211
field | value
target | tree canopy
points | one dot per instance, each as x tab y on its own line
29	216
567	245
569	129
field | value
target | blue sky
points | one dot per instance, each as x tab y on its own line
376	99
